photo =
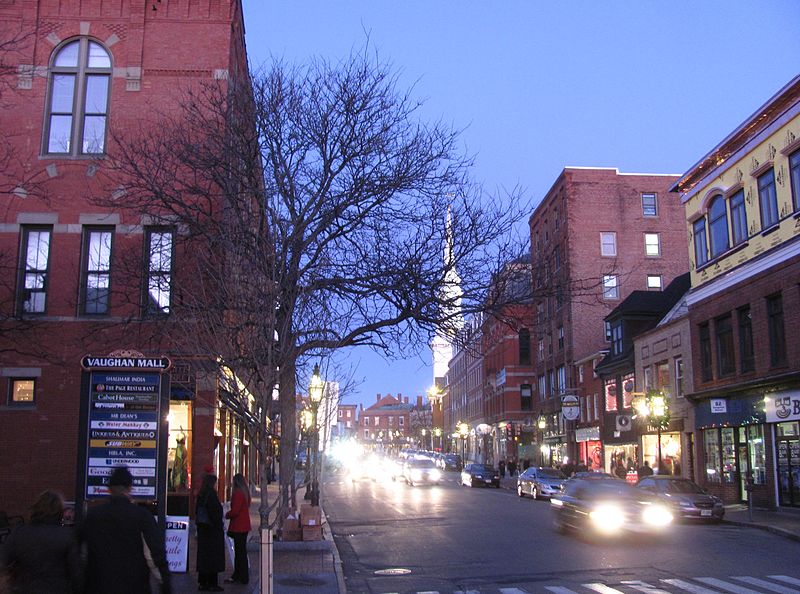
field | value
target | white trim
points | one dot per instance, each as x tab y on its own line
748	270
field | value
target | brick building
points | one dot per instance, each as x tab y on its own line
742	205
463	395
82	73
386	425
596	236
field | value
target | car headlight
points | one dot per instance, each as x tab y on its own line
416	475
435	475
607	518
656	515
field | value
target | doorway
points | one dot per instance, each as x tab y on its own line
789	471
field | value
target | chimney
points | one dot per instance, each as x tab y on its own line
405	399
419	401
377	398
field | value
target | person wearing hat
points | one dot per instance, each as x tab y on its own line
115	534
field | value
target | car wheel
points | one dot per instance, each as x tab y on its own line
534	492
519	491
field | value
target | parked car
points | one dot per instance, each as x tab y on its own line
538	482
591	474
608	507
451	462
480	474
685	497
421	471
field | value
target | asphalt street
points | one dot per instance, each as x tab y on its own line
394	538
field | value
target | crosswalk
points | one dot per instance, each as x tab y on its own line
743	584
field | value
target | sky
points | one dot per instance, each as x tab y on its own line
646	86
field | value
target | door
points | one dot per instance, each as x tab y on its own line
744	468
789	471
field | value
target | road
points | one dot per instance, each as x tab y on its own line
450	538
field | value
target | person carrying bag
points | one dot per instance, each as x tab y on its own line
238	529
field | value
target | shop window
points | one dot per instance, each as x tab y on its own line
767	199
35	268
726	360
746	352
649	205
728	455
159	271
96	285
738	218
712	455
179	447
753	436
777	338
706	372
21	391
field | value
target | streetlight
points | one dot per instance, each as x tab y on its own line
437	431
541	423
315	389
653	405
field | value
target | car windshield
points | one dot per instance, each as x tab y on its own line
422	463
551	473
683	487
482	468
608	489
452	458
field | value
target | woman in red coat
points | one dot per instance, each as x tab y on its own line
238	529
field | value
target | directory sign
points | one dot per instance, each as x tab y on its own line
123	426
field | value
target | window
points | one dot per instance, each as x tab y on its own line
541	348
561	373
524	346
662	377
611	395
777	338
526	396
549	343
366	420
654	282
561	338
391	420
649	205
705	352
542	387
738	218
610	288
607	326
35	253
376	421
712	455
341	413
616	338
401	421
767	199
580	374
21	391
608	244
652	244
366	433
648	378
96	271
77	107
159	272
700	243
746	352
794	176
679	390
551	378
726	360
718	226
557	258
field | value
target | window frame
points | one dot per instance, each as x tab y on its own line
610	287
647	209
738	208
679	370
767	199
604	236
524	346
148	309
11	402
654	287
776	330
705	358
700	242
81	75
86	272
617	338
648	245
24	272
744	323
717	224
794	178
725	346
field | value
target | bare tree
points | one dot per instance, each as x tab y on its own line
314	209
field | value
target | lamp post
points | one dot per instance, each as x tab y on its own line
463	432
437	431
315	389
541	423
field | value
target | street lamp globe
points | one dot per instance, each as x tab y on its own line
315	386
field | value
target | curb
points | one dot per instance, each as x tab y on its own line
774	530
337	560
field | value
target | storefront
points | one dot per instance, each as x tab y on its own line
590	448
670	452
782	410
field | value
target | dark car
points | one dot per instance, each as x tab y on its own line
480	474
591	474
419	471
608	507
685	498
451	462
538	481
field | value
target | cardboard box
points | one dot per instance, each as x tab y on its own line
291	535
312	532
291	524
310	515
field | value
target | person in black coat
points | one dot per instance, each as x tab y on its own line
115	534
43	556
210	535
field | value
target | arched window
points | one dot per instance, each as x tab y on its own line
77	103
718	226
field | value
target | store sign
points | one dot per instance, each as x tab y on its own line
570	407
719	405
177	541
782	406
587	434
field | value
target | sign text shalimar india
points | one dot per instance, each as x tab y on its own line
155	364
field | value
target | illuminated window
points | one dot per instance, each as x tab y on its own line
652	244
22	391
654	282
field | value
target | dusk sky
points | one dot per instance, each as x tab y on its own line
643	86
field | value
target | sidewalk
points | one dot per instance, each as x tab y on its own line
296	566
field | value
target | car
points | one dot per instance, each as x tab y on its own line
608	508
480	474
539	482
685	497
591	474
421	471
451	462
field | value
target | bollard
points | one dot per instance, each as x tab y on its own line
266	561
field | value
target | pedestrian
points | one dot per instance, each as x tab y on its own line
115	534
644	470
43	556
581	467
512	467
238	529
210	534
501	466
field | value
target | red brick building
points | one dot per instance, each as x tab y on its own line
742	206
82	73
597	235
386	424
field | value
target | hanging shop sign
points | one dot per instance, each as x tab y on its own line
570	407
123	425
782	406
